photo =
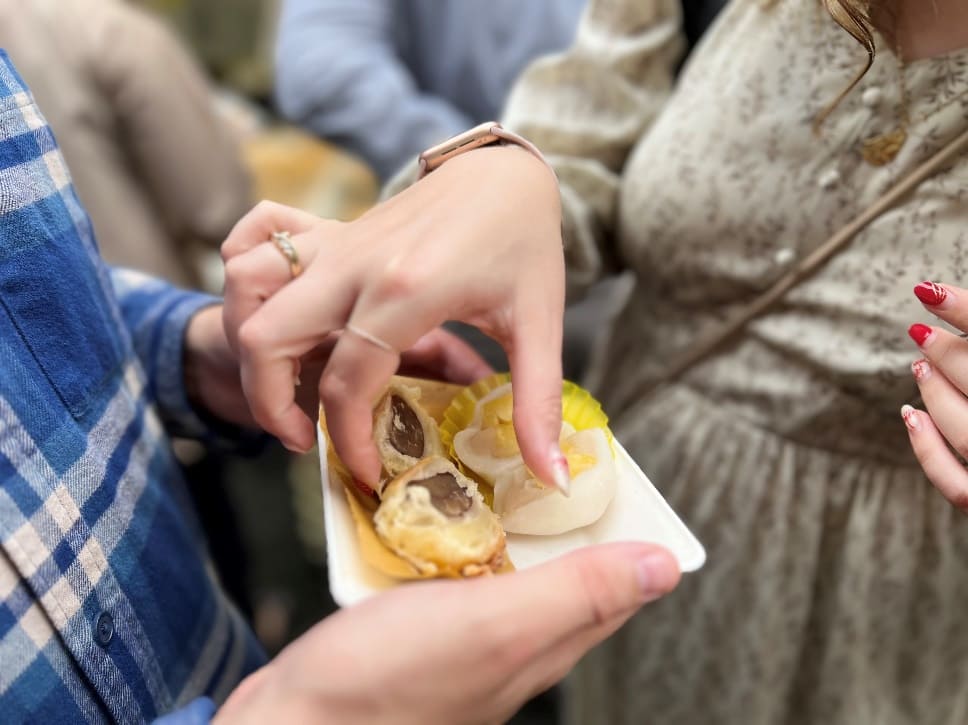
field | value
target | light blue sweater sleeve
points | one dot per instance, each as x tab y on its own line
338	73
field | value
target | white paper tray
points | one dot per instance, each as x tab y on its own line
637	513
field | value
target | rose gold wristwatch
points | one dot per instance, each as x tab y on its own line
487	134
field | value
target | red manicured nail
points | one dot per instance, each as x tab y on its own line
919	333
931	293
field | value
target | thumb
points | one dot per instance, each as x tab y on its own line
586	588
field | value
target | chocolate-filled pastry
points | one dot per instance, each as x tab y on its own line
435	518
403	431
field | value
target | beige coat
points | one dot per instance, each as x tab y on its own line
153	164
837	577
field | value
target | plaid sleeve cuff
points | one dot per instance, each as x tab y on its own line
156	315
197	712
167	375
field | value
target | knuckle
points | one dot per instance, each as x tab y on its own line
227	250
600	595
941	353
960	443
235	271
264	207
334	390
400	282
253	335
231	246
947	353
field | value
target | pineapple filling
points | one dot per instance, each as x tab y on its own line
499	433
497	428
578	462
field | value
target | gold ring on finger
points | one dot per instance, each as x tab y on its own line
283	242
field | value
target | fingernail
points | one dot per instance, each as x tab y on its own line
293	444
931	293
656	576
921	369
559	468
919	333
911	418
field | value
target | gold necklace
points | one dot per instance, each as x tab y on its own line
882	149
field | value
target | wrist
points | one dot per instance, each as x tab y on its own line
509	170
202	352
211	376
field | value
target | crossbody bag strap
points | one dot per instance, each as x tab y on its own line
708	344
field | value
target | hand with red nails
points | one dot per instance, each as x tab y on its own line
478	240
942	377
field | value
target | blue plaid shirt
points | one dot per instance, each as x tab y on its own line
109	608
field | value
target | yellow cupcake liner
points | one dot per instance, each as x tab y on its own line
578	408
459	414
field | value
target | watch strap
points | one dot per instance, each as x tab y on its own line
486	134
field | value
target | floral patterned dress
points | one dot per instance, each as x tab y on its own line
837	577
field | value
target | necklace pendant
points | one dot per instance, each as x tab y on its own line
883	149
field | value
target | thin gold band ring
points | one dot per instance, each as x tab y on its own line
371	338
283	242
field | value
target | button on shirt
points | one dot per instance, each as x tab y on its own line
109	609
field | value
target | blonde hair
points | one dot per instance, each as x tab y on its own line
854	17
